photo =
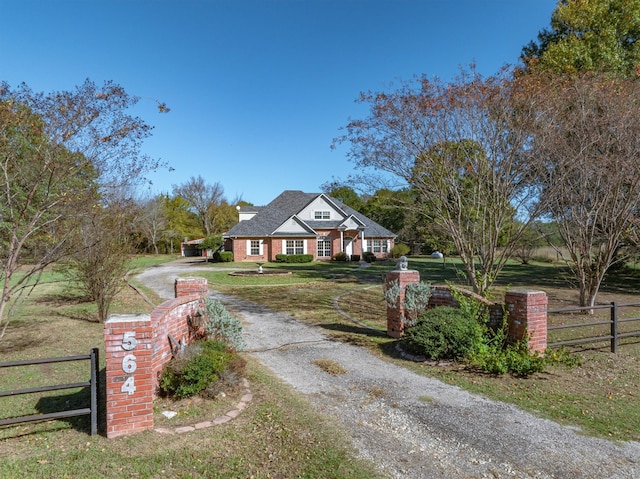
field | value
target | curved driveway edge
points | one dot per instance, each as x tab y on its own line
413	426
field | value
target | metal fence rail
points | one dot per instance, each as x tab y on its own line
92	410
614	322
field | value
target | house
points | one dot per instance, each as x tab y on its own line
305	223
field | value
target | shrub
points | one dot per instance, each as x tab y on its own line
443	333
200	364
220	325
223	257
416	299
369	257
498	358
342	256
400	250
294	258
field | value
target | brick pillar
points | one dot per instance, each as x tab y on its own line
395	316
129	381
528	317
189	286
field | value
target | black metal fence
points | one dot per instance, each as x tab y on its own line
612	325
92	410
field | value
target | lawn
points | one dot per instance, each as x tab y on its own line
277	434
600	395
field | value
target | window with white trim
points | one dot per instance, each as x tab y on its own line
322	215
294	247
254	247
378	246
324	247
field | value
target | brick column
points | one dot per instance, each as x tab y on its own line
129	381
189	286
527	311
395	316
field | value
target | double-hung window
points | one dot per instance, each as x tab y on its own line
294	247
321	215
378	246
324	247
254	247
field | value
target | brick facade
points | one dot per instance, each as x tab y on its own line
138	346
395	315
526	311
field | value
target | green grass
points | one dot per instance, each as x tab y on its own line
598	395
277	435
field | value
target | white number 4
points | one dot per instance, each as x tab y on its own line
129	386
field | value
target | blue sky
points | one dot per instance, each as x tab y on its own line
258	89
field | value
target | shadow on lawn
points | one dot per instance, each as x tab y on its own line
78	399
354	329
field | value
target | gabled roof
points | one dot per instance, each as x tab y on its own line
286	207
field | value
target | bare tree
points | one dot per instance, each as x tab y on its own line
152	221
204	198
586	149
460	147
100	263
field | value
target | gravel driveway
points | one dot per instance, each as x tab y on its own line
409	425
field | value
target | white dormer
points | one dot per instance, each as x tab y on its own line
320	209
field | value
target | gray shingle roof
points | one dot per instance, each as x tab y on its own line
291	202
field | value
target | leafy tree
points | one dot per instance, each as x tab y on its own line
585	148
58	154
589	35
346	194
181	222
460	146
204	199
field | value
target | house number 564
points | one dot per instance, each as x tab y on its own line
129	342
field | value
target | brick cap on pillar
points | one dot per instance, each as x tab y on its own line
525	291
127	318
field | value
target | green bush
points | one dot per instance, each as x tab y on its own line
497	358
223	257
400	250
342	256
443	333
369	257
294	258
199	365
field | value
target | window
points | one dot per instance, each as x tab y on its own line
378	246
255	248
322	215
294	247
324	247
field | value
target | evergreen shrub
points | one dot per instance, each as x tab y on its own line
443	333
223	257
199	365
400	250
294	258
369	257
